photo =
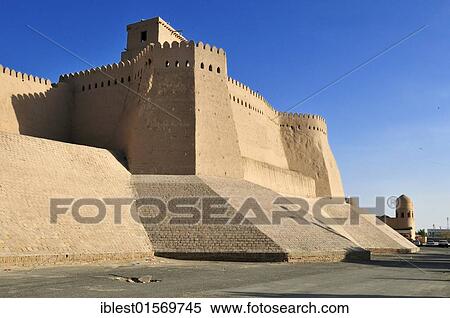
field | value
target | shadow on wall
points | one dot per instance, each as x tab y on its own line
120	157
44	115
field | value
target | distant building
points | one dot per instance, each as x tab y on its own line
438	234
403	222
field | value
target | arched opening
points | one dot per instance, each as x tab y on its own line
167	63
95	86
101	84
218	70
82	88
202	66
121	80
109	82
177	64
210	68
149	62
129	78
188	64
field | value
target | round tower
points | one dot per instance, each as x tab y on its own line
404	213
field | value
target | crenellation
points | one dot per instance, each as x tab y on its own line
265	105
311	122
23	77
210	48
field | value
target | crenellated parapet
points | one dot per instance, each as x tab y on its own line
210	48
209	58
109	68
5	71
175	55
294	121
168	56
249	99
177	49
249	91
99	77
308	123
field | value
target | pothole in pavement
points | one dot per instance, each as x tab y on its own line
145	279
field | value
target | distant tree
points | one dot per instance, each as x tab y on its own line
422	233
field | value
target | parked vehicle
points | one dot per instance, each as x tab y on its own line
416	243
443	243
432	243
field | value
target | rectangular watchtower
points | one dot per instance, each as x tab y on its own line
144	32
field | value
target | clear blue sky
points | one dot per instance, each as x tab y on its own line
389	122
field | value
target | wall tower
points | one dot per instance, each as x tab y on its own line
142	33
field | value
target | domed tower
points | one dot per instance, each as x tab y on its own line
404	214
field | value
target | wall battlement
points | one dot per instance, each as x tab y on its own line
294	121
23	76
145	55
302	122
210	48
294	116
104	68
250	91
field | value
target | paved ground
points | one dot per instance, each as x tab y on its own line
426	274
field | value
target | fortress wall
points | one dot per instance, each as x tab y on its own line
217	151
142	107
34	170
30	105
161	138
308	152
259	134
100	96
284	181
282	140
309	124
334	175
